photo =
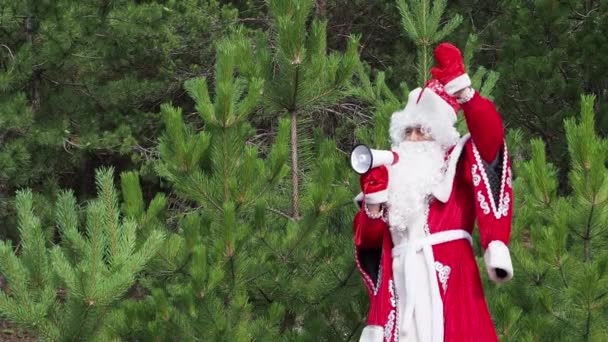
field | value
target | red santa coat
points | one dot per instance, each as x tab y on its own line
465	196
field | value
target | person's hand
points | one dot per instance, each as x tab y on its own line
374	185
450	69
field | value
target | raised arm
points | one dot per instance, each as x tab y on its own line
491	175
483	121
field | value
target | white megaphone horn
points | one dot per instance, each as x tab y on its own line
363	158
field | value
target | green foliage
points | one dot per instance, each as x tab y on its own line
250	270
421	20
63	292
81	83
299	73
212	260
547	53
300	77
559	242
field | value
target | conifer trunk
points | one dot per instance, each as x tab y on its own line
587	238
295	183
321	8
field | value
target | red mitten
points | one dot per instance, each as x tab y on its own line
374	185
450	70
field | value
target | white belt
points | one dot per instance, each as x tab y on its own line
409	250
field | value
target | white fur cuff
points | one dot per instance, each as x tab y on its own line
358	199
497	257
372	333
377	197
458	84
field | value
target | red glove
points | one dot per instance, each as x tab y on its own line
450	70
374	185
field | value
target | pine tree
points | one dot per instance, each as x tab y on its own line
548	53
206	296
81	84
253	269
560	259
64	291
301	77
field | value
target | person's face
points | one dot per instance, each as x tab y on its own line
416	133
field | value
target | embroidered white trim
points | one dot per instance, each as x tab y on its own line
443	271
393	295
377	287
504	206
509	178
503	201
376	215
482	202
393	315
476	176
390	324
366	278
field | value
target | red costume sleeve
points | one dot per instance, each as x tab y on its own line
494	212
493	199
368	232
485	126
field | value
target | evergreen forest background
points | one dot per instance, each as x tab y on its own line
177	170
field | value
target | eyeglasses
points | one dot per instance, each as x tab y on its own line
416	131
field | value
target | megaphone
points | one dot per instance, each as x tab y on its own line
363	158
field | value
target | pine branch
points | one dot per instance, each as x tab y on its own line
282	214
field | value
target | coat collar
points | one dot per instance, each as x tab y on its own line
443	190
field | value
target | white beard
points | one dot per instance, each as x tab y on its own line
419	169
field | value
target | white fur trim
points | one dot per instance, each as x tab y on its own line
358	199
377	197
497	256
466	95
458	84
372	333
406	254
443	190
428	110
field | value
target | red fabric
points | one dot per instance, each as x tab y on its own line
382	301
368	232
485	126
439	89
450	63
375	180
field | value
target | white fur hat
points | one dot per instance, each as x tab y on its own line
431	108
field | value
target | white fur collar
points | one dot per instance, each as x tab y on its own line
443	190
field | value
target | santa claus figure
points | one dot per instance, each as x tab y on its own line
413	232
